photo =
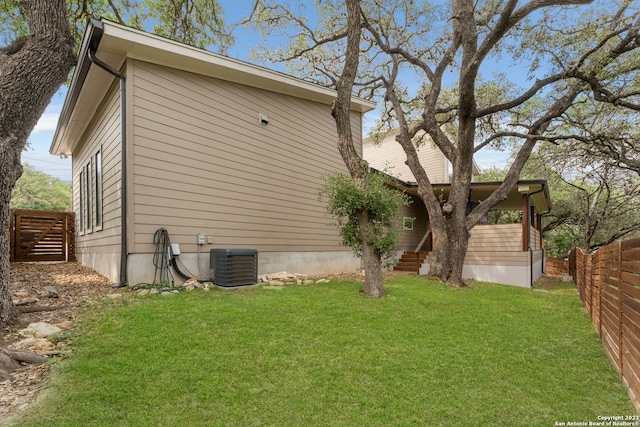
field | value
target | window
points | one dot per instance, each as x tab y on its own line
88	203
82	201
407	223
98	187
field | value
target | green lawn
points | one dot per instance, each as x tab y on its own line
325	355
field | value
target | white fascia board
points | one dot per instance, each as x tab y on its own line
137	44
119	42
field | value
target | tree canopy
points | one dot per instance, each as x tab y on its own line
198	23
37	190
37	52
594	201
471	74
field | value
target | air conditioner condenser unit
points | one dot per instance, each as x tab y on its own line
234	267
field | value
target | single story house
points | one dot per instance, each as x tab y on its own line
219	152
511	254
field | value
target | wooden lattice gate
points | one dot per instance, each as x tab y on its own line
41	236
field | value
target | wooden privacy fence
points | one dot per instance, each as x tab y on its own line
41	236
556	266
609	285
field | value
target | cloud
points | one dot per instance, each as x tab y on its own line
487	158
43	161
47	123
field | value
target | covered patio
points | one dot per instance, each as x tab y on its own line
508	253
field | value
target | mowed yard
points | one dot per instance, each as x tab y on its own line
325	355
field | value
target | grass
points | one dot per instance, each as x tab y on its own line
325	355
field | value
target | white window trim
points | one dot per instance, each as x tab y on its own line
407	222
97	182
89	201
82	202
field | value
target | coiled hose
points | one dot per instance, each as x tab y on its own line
163	252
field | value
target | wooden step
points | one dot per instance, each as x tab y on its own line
411	261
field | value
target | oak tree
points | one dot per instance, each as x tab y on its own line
37	190
32	68
470	74
40	37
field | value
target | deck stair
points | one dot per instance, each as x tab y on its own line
411	261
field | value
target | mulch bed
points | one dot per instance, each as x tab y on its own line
75	287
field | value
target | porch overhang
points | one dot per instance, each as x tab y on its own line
536	189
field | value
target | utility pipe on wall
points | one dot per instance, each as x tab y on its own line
123	167
529	216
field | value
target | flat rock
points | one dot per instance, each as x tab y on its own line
25	301
49	292
34	344
40	330
64	325
21	294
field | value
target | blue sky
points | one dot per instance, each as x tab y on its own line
40	140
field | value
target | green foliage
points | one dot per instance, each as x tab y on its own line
589	198
496	174
12	23
561	243
195	22
198	23
491	174
346	199
38	190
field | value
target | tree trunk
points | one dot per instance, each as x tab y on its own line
8	312
358	168
32	68
455	252
589	224
373	281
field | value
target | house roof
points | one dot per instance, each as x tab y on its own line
536	188
114	43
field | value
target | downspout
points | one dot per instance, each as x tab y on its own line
123	168
544	251
529	236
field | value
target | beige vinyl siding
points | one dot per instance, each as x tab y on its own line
496	245
537	255
535	239
202	163
409	239
390	157
103	133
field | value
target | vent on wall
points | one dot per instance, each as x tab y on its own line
234	267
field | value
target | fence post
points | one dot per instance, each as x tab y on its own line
71	226
588	281
619	282
599	262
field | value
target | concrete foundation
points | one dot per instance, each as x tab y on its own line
141	268
504	274
107	264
